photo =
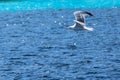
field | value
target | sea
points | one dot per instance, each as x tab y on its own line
35	43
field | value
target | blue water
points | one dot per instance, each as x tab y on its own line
48	4
35	44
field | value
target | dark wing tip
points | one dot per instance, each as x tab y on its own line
85	12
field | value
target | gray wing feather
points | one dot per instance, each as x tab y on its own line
80	16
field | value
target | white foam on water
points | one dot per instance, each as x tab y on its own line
55	21
7	24
62	16
60	23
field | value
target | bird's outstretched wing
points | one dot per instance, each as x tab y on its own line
80	15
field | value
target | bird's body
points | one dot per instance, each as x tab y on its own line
80	21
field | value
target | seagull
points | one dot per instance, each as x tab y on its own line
80	20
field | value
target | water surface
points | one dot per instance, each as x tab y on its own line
35	45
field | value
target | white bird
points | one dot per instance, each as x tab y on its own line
80	20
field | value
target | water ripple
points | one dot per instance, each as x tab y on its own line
35	45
